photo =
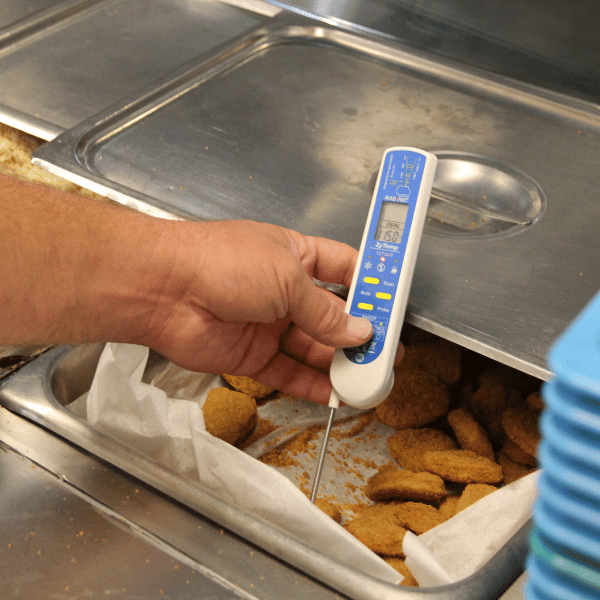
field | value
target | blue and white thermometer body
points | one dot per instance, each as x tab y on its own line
363	376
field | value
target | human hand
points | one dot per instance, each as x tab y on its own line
224	297
240	299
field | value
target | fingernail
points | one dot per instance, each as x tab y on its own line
359	328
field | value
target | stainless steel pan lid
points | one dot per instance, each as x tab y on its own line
287	125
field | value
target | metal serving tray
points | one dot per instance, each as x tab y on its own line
15	11
288	123
42	392
62	62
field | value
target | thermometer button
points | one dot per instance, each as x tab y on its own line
371	280
383	296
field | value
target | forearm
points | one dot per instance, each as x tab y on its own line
74	270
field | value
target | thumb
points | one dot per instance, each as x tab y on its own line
318	313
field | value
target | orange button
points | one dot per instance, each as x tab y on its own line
384	295
364	306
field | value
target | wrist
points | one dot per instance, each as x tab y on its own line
163	258
132	287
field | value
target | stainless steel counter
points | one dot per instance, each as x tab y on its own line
72	527
59	544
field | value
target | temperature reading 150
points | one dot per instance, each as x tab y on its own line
389	232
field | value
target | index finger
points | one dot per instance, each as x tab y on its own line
333	262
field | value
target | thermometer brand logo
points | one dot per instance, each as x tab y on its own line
384	246
403	193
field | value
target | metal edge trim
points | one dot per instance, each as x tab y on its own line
29	124
268	9
118	193
41	20
535	366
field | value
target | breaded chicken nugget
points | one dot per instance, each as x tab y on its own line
462	466
439	357
400	566
489	401
509	377
416	399
418	517
329	508
470	434
447	507
496	432
229	415
517	453
408	446
513	470
535	401
521	426
394	484
472	493
378	529
415	335
249	386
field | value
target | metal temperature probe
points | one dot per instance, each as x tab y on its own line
363	376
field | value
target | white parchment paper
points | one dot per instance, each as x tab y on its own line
463	544
172	431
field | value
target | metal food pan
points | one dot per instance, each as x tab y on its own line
42	391
287	125
61	62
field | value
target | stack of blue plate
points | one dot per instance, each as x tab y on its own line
564	558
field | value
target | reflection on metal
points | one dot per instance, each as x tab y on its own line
22	20
475	197
13	358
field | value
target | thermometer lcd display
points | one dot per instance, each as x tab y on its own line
391	222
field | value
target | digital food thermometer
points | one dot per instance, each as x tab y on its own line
363	376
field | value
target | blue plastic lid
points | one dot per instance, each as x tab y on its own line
575	356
